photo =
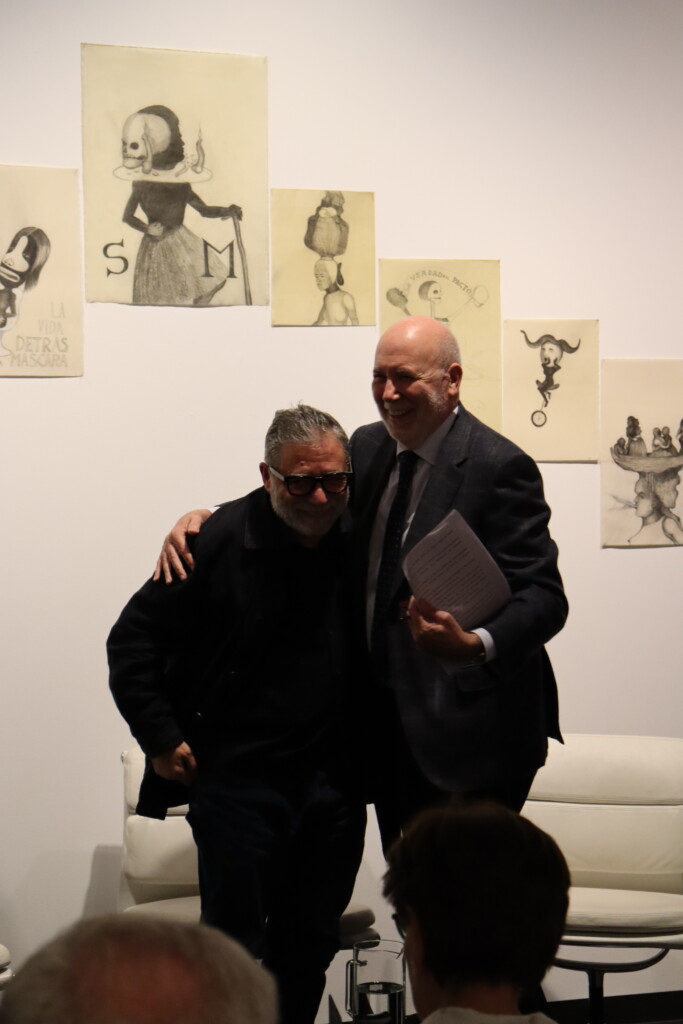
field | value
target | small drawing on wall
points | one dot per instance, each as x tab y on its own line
185	134
641	474
551	387
465	295
338	227
41	332
173	267
552	350
20	269
327	234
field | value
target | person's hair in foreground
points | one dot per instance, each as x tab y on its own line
140	970
488	891
302	424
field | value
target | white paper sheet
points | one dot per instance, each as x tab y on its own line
452	569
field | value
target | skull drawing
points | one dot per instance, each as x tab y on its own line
144	137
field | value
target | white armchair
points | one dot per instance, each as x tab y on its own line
614	804
159	864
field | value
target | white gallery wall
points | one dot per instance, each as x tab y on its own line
544	133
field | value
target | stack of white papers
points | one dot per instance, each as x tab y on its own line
452	569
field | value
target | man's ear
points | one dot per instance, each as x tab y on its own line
416	938
265	475
454	373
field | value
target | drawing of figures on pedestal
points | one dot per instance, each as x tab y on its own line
641	471
657	483
465	294
41	331
341	224
187	132
551	388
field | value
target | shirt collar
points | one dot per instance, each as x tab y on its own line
428	449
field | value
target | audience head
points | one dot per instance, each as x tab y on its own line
140	970
482	895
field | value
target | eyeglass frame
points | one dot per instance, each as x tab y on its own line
316	481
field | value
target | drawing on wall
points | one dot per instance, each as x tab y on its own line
20	269
644	455
465	294
40	273
189	226
173	267
331	225
552	350
327	234
551	388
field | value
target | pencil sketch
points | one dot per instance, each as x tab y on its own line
657	482
174	267
465	294
339	307
430	291
552	350
341	225
327	234
396	297
20	269
175	171
641	452
41	307
552	414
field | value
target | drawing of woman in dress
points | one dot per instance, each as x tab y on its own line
173	267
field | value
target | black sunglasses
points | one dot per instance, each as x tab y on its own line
300	486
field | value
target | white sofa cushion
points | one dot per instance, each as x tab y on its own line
620	910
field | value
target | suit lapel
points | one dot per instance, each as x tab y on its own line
444	482
373	476
439	496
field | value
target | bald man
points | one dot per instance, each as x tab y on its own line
460	712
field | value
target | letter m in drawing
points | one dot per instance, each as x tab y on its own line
231	257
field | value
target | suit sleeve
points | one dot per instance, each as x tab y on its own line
513	524
138	651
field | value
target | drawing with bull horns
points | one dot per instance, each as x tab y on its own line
552	350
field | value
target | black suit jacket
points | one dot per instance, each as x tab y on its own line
467	728
192	661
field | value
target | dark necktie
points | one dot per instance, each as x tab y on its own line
391	551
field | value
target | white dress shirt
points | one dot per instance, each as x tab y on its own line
427	453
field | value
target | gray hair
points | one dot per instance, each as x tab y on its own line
450	349
140	969
301	424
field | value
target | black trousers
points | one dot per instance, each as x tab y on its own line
277	865
400	788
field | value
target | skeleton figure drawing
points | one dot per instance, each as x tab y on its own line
20	269
174	267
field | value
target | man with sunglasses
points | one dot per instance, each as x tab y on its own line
237	683
451	711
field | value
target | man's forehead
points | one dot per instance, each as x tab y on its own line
326	448
416	349
413	362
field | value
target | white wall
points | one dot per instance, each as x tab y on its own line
541	132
